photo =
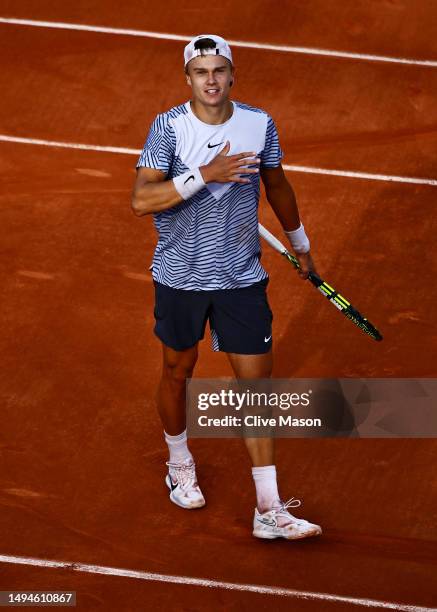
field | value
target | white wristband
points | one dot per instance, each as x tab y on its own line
189	183
299	240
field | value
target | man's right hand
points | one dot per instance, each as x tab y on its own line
226	168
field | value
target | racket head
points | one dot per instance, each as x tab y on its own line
339	301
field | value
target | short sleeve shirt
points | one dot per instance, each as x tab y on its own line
211	240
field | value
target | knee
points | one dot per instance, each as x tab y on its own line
177	373
179	367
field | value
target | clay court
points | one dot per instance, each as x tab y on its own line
352	87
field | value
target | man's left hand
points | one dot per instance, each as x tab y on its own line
306	264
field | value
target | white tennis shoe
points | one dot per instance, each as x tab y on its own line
182	482
279	523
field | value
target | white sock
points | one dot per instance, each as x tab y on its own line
266	487
178	449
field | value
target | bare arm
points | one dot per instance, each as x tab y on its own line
281	198
153	193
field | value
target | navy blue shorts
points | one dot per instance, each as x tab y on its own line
240	319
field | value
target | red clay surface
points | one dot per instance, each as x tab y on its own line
81	445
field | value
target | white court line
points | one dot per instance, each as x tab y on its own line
234	43
362	175
68	145
291	168
214	584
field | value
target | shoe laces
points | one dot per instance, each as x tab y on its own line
293	502
185	473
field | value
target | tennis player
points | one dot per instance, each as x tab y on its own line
199	175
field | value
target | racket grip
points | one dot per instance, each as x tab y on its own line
272	240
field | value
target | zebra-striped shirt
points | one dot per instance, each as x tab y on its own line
211	240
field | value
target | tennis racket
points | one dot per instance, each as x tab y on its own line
335	298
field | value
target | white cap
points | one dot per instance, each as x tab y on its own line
220	47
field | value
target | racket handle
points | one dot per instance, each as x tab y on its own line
272	240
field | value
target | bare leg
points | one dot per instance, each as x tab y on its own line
261	450
176	368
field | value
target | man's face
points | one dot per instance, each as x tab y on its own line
209	77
